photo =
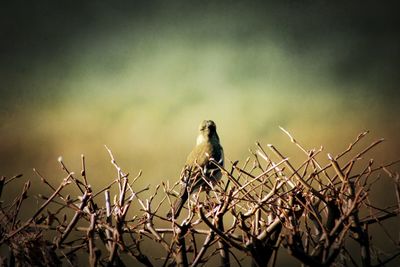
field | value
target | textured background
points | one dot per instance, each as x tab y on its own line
140	77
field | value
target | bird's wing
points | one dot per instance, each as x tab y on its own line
198	164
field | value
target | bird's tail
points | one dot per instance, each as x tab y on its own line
178	205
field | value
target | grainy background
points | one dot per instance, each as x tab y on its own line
140	77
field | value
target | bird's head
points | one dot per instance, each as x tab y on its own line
207	126
207	130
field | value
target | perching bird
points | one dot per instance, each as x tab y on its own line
199	170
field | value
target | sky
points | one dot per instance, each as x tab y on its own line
140	77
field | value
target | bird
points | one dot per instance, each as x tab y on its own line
200	168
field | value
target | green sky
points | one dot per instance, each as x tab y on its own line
140	78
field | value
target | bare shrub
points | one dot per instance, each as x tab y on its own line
264	205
